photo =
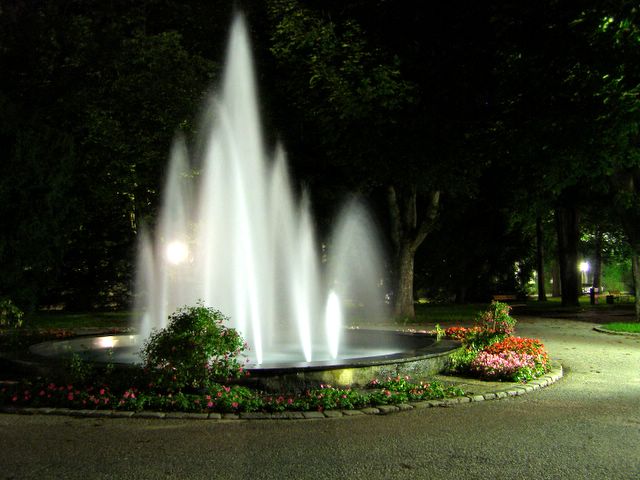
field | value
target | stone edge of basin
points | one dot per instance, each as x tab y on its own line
555	374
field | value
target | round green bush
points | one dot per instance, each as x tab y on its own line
10	315
194	351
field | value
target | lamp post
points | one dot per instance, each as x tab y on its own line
584	271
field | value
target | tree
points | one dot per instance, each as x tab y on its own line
98	80
374	93
554	102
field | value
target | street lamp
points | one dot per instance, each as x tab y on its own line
177	252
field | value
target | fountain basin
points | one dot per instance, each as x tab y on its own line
365	355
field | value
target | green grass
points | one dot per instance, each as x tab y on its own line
623	327
555	303
447	314
44	320
426	313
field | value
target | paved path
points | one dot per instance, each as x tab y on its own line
587	425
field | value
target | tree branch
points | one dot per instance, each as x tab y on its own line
426	226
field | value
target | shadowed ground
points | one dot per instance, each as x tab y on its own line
585	426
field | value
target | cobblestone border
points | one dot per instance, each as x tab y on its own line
553	376
603	329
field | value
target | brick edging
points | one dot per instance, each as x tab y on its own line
549	378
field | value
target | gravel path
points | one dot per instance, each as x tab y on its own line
587	425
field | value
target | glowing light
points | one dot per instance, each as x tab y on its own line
584	266
106	342
333	323
177	252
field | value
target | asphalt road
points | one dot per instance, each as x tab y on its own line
586	426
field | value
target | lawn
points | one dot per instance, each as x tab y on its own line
426	313
624	327
63	320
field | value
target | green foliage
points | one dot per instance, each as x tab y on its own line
10	315
623	327
440	332
89	113
491	326
80	371
497	319
354	78
218	398
461	360
401	389
193	351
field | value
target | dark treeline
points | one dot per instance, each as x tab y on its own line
492	138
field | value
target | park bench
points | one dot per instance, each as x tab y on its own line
505	297
616	296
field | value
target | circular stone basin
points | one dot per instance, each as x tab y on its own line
365	355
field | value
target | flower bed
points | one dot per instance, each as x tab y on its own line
491	352
219	398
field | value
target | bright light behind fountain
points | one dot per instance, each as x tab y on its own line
237	238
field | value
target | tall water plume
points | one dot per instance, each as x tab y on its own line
237	238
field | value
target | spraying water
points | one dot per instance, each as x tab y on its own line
237	238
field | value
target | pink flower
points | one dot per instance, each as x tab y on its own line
234	404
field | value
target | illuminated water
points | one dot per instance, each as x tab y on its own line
237	237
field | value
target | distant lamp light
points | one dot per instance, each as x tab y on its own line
177	252
584	266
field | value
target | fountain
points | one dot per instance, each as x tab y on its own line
235	236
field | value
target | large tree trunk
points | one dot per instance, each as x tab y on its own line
635	263
407	234
568	231
403	304
542	293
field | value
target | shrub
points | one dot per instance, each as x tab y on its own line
461	359
194	351
497	319
491	326
10	315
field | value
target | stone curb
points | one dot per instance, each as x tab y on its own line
550	378
604	329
